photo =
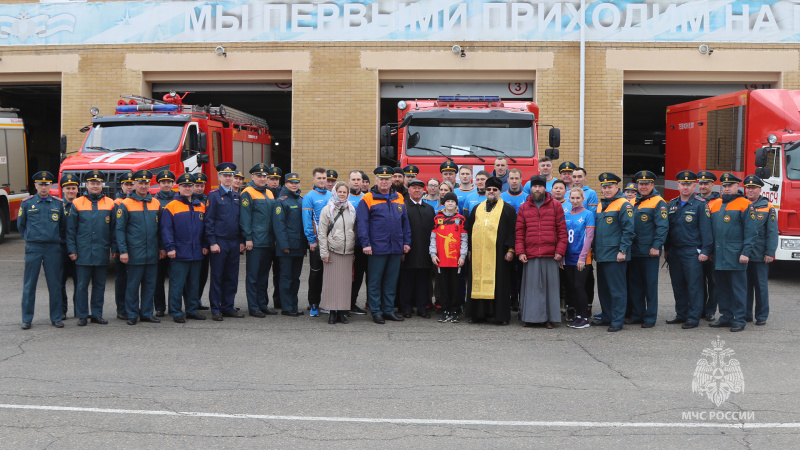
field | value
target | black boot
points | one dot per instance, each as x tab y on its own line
332	317
343	317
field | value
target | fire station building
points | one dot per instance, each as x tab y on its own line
326	74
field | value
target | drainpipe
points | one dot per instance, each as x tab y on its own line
583	83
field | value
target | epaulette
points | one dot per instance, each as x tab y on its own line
283	197
27	198
699	197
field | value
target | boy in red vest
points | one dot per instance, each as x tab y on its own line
448	251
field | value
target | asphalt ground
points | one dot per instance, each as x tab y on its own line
284	382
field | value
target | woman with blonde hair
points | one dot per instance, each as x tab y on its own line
337	238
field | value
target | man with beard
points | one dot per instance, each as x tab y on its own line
733	222
705	186
491	237
398	181
541	242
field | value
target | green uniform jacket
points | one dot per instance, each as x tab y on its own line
767	241
287	222
256	209
90	229
651	224
735	230
613	232
137	229
42	219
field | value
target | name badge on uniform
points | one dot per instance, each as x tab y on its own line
689	217
609	220
727	218
644	218
760	216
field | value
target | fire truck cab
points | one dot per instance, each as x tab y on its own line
745	132
466	130
166	134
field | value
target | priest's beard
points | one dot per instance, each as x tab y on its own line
490	202
537	196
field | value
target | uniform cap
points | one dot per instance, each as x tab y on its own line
275	172
239	174
686	176
729	178
385	171
448	165
68	179
705	175
94	175
411	170
186	179
567	166
200	178
43	177
644	175
753	181
165	175
142	175
226	167
292	177
630	187
331	174
127	177
608	178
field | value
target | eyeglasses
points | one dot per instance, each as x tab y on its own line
492	189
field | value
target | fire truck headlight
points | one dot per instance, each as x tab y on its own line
94	111
402	105
772	139
790	244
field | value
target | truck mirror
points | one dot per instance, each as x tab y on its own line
761	157
386	135
63	144
202	158
203	143
413	140
763	172
388	152
555	138
551	153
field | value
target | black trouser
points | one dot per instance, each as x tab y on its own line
314	277
276	281
589	287
516	281
448	278
575	286
413	289
120	286
68	271
160	296
359	270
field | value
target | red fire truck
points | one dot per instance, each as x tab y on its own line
166	134
13	167
467	130
745	132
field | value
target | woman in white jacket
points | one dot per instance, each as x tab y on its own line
337	239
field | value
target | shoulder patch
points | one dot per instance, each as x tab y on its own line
119	213
245	203
278	210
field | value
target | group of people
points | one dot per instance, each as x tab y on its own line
482	250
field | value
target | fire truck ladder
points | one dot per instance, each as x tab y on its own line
231	114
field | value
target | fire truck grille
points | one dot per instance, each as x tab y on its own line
111	185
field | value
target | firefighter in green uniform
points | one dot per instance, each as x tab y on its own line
41	223
274	175
290	241
705	186
90	229
612	244
651	227
69	192
200	180
733	221
255	219
763	251
120	268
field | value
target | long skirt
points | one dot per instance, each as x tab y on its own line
337	281
539	297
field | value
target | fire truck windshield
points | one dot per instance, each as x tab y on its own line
149	137
512	137
792	159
